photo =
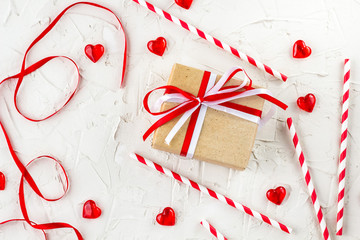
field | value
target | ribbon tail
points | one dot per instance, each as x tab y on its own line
178	125
237	113
196	132
273	100
171	115
264	119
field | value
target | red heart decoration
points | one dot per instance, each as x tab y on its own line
90	210
307	103
184	3
2	181
157	46
276	195
300	50
94	53
167	217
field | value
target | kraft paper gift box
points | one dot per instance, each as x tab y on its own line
224	139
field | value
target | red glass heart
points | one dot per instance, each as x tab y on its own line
157	46
300	50
184	3
90	210
167	217
307	103
2	181
94	53
276	195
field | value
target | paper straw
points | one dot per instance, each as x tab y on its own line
211	193
211	39
343	146
308	180
212	230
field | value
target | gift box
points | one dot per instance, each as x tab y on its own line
223	138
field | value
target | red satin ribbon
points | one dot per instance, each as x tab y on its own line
195	115
26	176
193	101
21	220
23	169
27	70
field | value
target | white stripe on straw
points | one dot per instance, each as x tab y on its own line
343	148
309	183
211	39
212	230
211	193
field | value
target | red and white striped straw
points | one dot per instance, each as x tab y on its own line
211	39
212	230
309	183
211	193
343	146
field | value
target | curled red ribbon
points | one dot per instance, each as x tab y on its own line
26	176
23	169
27	70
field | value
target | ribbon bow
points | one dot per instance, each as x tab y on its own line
213	95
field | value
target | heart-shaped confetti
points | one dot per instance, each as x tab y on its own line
167	217
307	103
94	53
300	50
184	3
157	46
90	210
2	181
276	195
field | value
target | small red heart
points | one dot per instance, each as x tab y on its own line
276	195
307	103
94	53
157	46
90	210
184	3
2	181
300	50
167	217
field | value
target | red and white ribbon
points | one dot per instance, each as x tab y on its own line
211	193
210	95
307	177
26	176
343	147
210	228
211	39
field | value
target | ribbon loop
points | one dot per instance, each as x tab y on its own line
27	70
26	176
213	95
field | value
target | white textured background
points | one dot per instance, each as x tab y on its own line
93	135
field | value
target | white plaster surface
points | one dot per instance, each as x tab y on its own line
93	135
